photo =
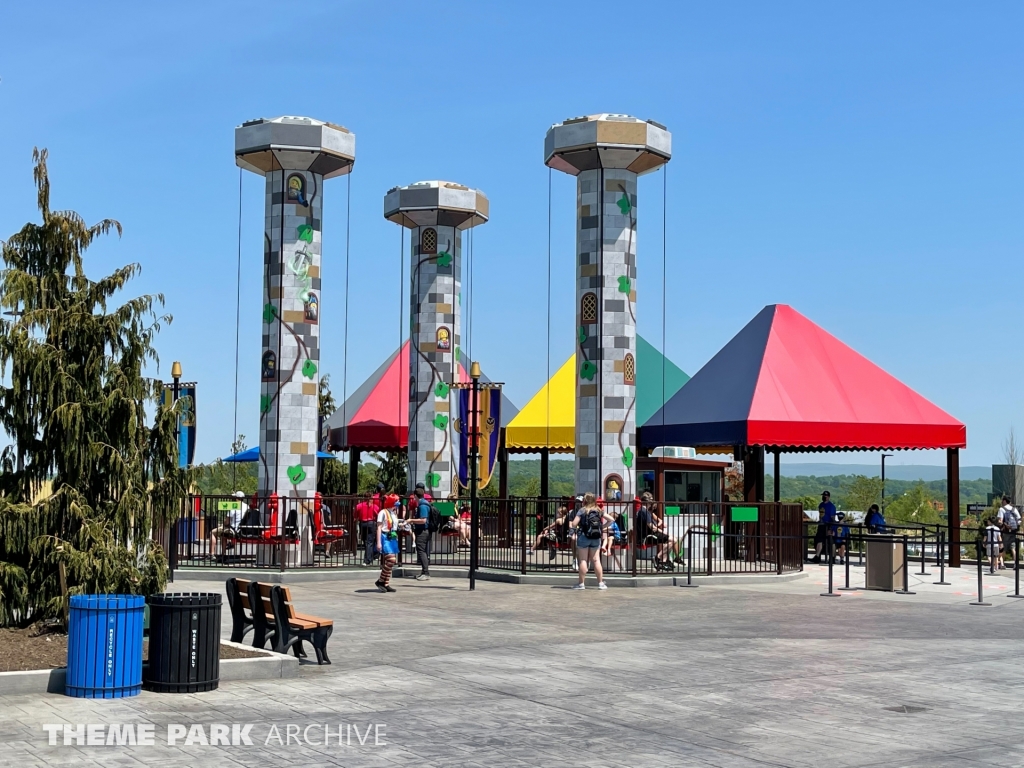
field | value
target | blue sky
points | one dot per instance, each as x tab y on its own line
861	162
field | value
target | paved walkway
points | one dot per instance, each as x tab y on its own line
753	675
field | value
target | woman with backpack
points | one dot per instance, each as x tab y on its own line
589	526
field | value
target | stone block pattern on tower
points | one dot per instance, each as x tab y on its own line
606	332
436	258
291	334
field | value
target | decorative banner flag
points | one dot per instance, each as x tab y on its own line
186	422
489	404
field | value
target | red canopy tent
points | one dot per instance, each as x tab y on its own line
786	385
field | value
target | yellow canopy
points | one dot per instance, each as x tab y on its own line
549	419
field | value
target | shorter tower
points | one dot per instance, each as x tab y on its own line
436	213
606	153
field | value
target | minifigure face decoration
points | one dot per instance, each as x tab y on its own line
297	189
311	308
444	339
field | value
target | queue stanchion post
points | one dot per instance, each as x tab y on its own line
981	584
830	555
924	540
942	560
1016	569
906	569
689	559
846	562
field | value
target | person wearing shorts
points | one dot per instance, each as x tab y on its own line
588	548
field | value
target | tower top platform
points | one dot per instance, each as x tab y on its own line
294	144
436	203
607	141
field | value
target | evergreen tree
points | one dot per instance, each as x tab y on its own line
86	478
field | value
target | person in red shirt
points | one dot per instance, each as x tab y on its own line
366	516
413	501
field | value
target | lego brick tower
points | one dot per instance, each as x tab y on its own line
296	155
606	153
436	213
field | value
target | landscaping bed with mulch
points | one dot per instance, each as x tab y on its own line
38	647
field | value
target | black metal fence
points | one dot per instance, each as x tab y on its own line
527	535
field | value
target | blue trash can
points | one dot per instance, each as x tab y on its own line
188	530
105	646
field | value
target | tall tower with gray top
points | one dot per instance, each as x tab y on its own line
436	213
296	155
606	153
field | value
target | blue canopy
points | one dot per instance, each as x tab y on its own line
253	454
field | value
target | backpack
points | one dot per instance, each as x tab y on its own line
592	524
1012	519
434	522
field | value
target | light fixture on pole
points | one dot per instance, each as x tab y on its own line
176	378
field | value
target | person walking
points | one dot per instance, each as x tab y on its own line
589	525
993	544
1008	520
366	514
421	517
387	545
826	527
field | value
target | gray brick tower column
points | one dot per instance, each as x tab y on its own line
436	213
606	153
296	155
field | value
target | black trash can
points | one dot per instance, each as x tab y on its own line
184	642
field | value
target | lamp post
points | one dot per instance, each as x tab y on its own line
176	378
474	456
884	457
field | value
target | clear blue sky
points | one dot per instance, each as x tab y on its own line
860	161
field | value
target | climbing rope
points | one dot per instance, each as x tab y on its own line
238	317
344	368
401	332
664	280
547	416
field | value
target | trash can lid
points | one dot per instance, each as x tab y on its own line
184	598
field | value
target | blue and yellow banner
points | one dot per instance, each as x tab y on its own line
186	422
489	406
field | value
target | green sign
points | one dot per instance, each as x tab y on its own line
671	511
227	506
446	508
744	514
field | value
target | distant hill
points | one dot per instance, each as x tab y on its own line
926	472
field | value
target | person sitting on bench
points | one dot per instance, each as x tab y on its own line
614	538
651	530
548	536
229	528
460	522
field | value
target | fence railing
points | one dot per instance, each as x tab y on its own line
515	534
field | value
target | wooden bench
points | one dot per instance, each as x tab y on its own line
293	627
277	621
238	600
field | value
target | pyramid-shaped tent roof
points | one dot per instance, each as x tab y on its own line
548	420
376	415
784	381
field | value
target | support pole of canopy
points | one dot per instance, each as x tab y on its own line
753	473
504	519
953	505
353	471
775	494
544	468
